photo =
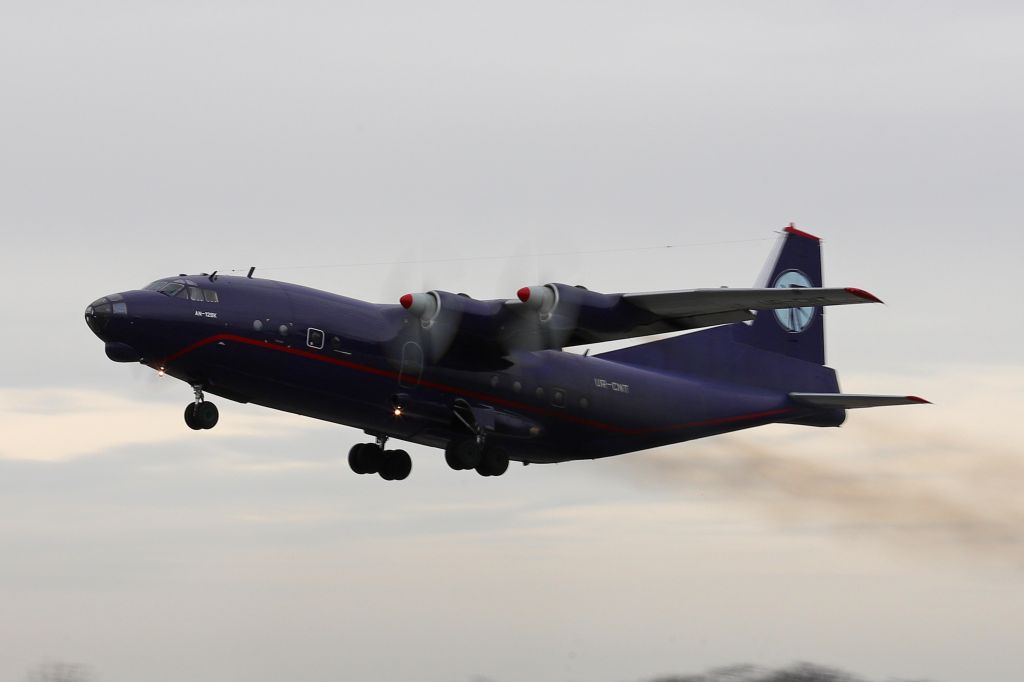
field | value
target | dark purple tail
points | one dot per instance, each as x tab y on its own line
796	332
781	349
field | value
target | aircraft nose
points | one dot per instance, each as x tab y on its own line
99	313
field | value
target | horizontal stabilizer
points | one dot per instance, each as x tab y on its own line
849	401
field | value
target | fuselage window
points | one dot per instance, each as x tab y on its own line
315	338
558	397
210	296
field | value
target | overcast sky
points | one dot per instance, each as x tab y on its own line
330	144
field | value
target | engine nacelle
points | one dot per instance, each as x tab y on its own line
565	300
542	299
424	306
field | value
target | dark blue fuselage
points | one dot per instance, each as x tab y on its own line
365	365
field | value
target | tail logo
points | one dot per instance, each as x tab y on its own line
793	320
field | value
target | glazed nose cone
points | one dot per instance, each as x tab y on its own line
99	313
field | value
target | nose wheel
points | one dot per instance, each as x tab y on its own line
199	414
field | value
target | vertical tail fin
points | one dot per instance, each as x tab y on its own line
796	332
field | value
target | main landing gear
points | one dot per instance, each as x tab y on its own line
372	458
200	414
470	453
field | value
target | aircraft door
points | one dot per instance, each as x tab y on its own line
412	365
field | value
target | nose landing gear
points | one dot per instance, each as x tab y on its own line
200	414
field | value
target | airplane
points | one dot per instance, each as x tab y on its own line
489	381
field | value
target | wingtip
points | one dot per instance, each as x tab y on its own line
919	400
866	295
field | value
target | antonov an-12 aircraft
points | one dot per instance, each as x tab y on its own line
489	381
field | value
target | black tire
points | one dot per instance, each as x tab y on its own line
207	415
190	417
365	458
468	453
401	464
355	458
387	466
373	458
493	463
499	463
451	457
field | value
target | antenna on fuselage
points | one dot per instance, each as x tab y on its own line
213	275
251	270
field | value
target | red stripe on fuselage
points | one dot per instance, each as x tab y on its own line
469	393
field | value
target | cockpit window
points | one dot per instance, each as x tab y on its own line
177	289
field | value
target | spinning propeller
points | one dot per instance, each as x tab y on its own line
457	329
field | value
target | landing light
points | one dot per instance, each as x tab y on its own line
397	411
160	372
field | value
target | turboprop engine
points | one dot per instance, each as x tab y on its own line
447	319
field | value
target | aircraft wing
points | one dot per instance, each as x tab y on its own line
697	303
557	315
849	401
553	316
